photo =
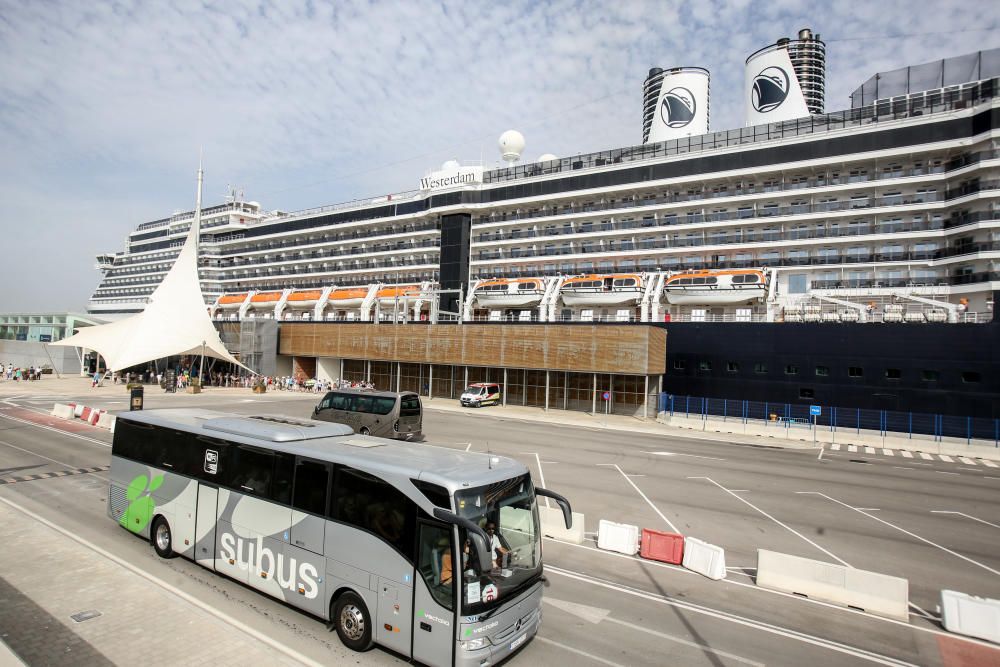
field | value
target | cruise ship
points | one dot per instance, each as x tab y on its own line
885	212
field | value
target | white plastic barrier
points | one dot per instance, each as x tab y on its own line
106	420
875	593
95	416
553	525
62	411
704	558
972	616
620	537
78	410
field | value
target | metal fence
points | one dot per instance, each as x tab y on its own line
789	415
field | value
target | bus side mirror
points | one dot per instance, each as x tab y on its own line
561	501
480	542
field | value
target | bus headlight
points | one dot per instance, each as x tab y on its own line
474	644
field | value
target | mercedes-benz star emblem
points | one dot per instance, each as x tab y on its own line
518	626
770	88
678	107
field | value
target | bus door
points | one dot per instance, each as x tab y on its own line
438	574
204	541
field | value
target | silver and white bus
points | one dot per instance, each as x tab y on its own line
384	414
381	538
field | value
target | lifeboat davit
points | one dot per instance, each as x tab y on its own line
509	292
597	290
715	287
232	301
348	298
387	295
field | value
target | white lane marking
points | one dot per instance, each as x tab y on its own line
835	447
59	431
41	456
820	457
967	516
905	454
541	476
988	464
888	452
868	509
904	531
945	472
468	446
207	608
785	526
946	458
730	617
693	456
655	508
966	461
870	450
852	448
701	647
546	640
925	456
988	477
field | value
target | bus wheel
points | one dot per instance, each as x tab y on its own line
365	430
353	622
162	540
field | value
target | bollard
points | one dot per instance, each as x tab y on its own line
136	396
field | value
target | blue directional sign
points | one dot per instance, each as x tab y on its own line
815	410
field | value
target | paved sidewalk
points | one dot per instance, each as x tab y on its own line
48	577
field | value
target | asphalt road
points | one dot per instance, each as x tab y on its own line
933	522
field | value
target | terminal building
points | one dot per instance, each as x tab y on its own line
846	257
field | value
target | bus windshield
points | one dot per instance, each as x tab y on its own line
508	512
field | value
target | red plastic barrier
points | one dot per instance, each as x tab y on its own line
664	547
86	414
95	414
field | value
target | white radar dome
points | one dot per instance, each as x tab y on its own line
547	157
511	145
450	165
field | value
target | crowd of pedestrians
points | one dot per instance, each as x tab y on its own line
10	372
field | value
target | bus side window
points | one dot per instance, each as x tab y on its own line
362	404
281	482
365	501
249	470
312	479
339	402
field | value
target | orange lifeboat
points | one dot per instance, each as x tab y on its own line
729	286
509	292
387	295
232	301
602	289
348	298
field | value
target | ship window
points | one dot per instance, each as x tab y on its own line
822	371
679	364
752	278
704	365
526	286
625	282
738	279
791	369
806	392
855	371
760	368
697	281
733	366
971	376
929	376
892	374
684	281
711	281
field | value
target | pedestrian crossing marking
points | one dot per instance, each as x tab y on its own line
946	459
835	447
48	475
852	448
925	456
968	462
988	464
906	454
869	450
888	452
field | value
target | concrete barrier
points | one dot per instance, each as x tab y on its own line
873	592
77	410
620	537
970	615
554	526
62	411
106	420
704	558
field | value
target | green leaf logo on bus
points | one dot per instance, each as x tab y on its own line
141	503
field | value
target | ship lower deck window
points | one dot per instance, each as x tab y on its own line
791	369
971	376
704	365
929	376
733	366
679	364
892	374
822	371
855	371
806	392
760	368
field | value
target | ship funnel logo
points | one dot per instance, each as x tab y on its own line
678	107
770	88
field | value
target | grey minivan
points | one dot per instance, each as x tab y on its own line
385	414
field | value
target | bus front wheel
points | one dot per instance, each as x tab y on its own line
163	541
353	622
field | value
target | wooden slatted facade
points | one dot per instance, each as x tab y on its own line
629	350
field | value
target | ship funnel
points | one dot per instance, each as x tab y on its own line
675	103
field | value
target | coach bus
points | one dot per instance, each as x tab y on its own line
383	539
385	414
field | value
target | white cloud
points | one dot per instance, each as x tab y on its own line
103	106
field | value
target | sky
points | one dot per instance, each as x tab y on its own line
104	107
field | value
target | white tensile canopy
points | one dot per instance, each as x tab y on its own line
175	321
